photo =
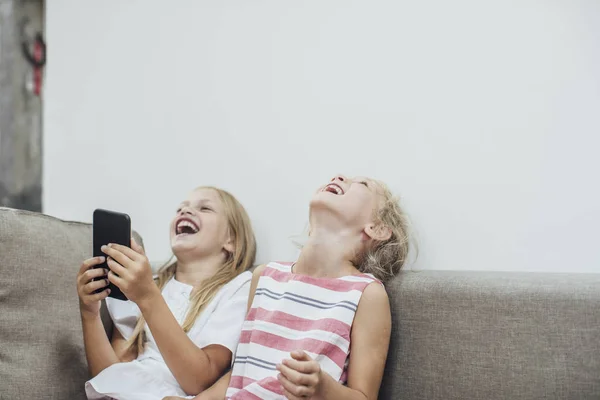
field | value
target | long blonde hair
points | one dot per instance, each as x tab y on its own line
237	262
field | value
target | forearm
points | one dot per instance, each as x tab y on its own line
216	391
332	390
98	350
189	364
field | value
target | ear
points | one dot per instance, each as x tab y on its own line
378	232
229	245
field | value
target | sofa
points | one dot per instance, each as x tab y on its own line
456	334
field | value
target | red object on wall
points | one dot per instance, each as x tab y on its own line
35	56
37	70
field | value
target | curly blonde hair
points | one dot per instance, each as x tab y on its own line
384	259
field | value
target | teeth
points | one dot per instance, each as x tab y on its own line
183	224
335	188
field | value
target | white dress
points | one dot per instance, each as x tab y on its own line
148	376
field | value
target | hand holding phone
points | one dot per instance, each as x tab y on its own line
110	227
130	270
92	284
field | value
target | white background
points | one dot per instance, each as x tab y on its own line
483	115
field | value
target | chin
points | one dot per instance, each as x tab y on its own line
325	201
179	245
178	248
188	253
322	199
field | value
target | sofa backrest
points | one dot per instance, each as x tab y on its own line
41	344
456	335
494	335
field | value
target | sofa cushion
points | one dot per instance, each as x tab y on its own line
494	335
41	344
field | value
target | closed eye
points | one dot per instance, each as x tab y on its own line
364	183
206	209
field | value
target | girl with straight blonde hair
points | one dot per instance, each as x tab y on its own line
179	330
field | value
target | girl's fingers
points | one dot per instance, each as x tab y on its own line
116	280
300	372
288	387
290	396
113	252
98	296
129	252
124	252
116	267
95	285
291	375
89	263
300	355
91	274
306	367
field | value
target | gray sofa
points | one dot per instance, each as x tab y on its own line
456	335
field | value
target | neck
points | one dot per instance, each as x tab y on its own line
194	272
327	255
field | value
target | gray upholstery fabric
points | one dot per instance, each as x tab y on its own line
492	336
41	345
456	335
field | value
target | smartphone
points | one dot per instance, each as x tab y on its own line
110	227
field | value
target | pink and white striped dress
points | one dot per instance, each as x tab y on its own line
294	312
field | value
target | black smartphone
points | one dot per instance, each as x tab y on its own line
110	227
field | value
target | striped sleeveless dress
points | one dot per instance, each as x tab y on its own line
294	312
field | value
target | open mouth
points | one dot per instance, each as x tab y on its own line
333	188
186	227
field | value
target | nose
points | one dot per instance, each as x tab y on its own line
340	178
185	210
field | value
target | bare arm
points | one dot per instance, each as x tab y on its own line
99	352
215	392
219	389
120	348
370	338
194	368
255	277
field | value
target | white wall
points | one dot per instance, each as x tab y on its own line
484	116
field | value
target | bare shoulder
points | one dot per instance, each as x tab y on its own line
255	277
375	295
258	271
374	304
